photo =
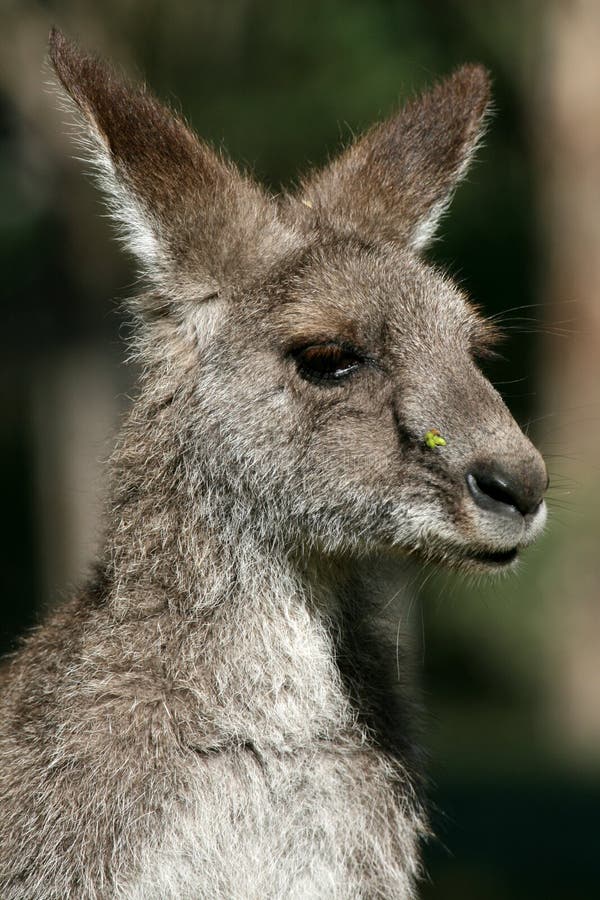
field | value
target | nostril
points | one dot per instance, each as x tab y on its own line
500	492
496	489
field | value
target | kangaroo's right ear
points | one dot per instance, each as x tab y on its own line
192	219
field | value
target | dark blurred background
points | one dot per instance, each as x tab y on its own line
511	669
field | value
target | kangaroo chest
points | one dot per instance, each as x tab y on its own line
316	823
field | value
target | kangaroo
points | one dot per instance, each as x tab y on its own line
217	714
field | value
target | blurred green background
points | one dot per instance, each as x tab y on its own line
510	669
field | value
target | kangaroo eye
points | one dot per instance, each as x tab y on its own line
326	362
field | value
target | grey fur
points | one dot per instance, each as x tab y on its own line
217	715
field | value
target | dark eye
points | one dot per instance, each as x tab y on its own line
327	362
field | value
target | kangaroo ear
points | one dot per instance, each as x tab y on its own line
192	219
397	180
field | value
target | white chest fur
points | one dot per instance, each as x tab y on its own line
317	824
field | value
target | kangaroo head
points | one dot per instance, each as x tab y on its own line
317	374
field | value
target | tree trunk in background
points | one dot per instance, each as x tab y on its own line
567	135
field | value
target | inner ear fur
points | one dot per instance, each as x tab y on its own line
194	221
395	181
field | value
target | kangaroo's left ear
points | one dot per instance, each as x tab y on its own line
397	180
195	222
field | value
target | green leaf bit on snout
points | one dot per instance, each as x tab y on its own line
434	439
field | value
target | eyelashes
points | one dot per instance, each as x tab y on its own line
327	363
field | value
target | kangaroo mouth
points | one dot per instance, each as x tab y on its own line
476	559
497	559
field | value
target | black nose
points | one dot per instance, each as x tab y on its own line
507	493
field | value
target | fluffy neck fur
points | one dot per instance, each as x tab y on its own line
288	645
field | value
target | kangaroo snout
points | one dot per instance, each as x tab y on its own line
506	496
491	475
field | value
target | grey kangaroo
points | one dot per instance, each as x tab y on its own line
217	714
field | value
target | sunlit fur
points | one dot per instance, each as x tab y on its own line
218	713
